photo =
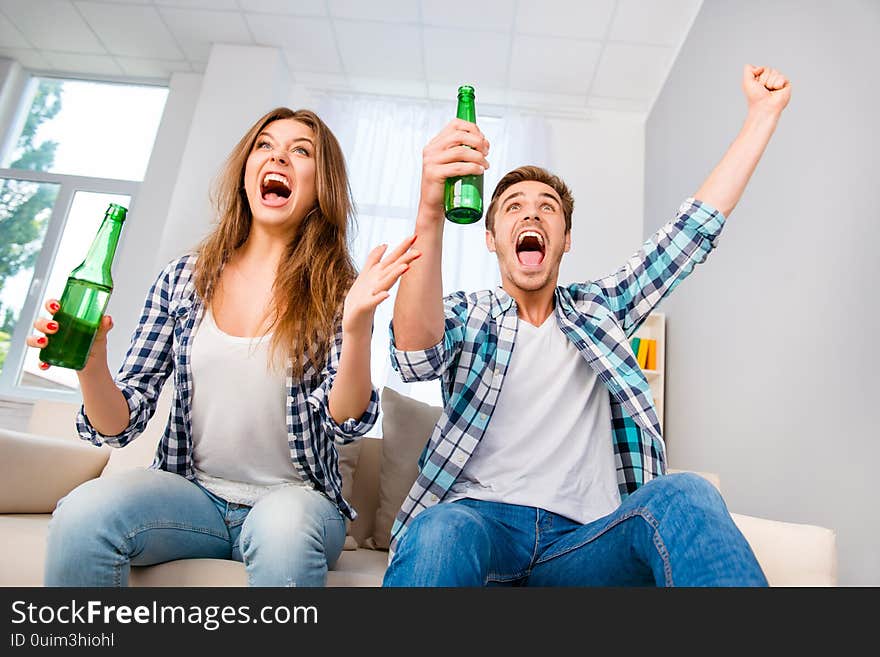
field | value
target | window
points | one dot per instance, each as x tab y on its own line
75	147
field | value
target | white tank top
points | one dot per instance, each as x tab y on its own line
239	416
549	441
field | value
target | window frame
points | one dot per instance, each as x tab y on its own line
69	185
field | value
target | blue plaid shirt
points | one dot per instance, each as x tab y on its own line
161	346
597	316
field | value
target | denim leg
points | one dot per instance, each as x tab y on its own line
465	543
142	517
291	537
673	531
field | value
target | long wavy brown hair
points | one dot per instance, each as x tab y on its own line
317	270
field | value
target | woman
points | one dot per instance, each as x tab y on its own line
251	327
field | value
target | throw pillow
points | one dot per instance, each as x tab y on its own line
348	460
407	425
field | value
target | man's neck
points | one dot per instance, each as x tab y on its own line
533	306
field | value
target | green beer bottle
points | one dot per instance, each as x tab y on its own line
463	195
85	297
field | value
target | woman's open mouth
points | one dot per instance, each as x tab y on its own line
530	248
275	189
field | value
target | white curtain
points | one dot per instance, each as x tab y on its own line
383	140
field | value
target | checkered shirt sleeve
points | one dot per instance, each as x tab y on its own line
433	362
662	262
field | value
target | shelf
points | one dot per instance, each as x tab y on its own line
654	327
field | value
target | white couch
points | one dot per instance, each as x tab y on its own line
43	464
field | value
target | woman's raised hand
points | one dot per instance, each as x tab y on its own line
374	282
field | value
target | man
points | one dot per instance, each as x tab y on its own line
547	466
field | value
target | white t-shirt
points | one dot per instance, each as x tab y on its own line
549	441
239	416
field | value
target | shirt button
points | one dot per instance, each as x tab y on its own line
433	497
483	416
459	459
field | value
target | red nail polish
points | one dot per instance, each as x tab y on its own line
44	366
54	307
41	341
52	326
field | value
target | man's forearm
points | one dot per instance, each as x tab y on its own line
725	185
418	310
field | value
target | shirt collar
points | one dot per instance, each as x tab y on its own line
563	301
501	303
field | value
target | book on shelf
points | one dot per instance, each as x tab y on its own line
642	353
645	350
652	355
634	345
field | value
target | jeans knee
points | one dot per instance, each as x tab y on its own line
78	512
447	527
692	490
107	507
290	521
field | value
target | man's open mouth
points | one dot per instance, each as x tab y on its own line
530	248
275	189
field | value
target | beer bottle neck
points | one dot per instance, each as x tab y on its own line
96	266
466	109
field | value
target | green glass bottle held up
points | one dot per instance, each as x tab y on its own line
85	297
463	195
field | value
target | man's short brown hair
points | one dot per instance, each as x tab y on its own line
526	173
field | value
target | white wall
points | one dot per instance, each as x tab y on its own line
602	160
12	84
771	375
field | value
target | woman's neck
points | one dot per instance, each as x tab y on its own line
261	251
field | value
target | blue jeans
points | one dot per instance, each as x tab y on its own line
673	531
290	537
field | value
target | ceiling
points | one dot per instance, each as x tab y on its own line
562	54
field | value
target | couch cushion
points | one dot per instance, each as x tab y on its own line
365	490
355	568
406	426
23	548
791	554
348	460
54	418
359	568
190	572
40	470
